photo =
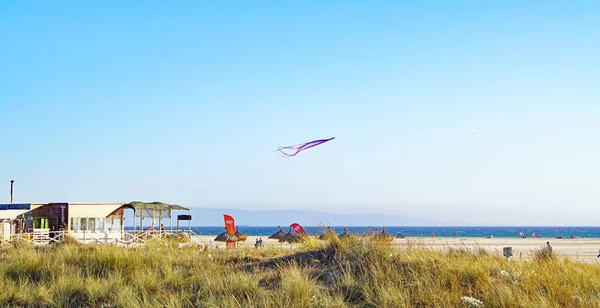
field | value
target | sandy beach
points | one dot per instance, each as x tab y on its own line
583	250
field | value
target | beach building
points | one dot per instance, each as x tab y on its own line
82	220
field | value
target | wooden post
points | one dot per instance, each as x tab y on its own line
153	222
507	252
160	231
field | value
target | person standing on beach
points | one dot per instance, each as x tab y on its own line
548	247
522	234
454	233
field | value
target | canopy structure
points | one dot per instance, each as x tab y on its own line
154	210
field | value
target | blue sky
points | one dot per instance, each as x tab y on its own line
477	112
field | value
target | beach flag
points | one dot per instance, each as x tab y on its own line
298	228
230	227
229	223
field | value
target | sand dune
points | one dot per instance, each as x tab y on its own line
584	250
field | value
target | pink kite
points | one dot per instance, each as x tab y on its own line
293	150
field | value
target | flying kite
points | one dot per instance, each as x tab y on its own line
293	150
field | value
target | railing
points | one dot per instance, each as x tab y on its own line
127	238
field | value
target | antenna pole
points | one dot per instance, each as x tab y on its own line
12	184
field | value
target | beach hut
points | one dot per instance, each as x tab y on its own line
46	222
278	235
85	221
241	236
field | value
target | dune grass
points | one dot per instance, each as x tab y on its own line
335	274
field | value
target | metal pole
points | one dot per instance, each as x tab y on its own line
12	184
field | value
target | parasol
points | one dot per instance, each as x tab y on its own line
384	236
345	235
328	234
226	237
241	236
278	235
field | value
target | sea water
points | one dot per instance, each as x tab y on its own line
446	231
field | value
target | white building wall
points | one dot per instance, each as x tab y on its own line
5	230
92	209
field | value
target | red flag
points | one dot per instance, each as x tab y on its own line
229	224
298	228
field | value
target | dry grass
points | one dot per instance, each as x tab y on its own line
354	273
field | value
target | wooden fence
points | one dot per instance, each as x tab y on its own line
125	238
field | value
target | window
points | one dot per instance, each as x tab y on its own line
100	224
75	223
40	222
91	224
116	224
83	223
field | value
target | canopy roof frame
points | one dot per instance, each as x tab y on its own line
155	206
159	206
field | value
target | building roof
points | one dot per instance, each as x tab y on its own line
138	205
15	206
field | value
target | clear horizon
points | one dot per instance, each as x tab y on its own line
479	112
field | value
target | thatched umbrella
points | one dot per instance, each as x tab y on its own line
241	236
292	237
328	234
345	235
384	236
278	235
226	237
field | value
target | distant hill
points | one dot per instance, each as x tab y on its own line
214	217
